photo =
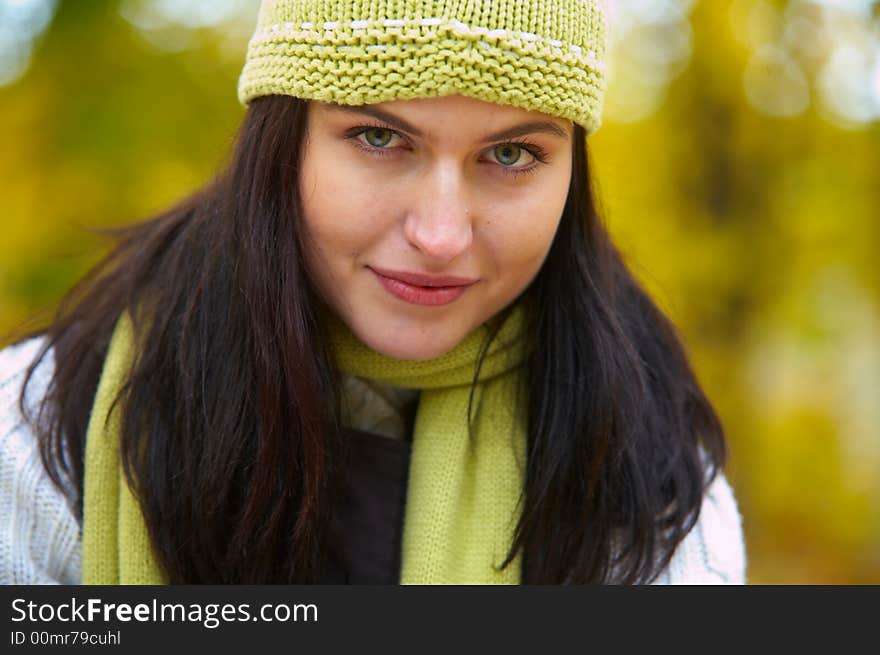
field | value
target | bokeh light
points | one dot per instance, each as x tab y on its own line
650	46
21	23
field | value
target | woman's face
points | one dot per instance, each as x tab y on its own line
424	218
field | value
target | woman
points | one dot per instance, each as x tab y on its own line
391	343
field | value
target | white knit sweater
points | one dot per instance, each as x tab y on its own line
39	535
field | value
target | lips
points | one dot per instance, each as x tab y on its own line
423	279
422	289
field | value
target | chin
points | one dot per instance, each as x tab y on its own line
421	349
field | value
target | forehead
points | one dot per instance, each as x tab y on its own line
424	116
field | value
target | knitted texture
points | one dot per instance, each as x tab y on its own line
463	489
116	545
539	55
39	535
464	484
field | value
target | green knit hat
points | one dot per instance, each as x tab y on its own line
541	55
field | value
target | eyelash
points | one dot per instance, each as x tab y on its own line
533	149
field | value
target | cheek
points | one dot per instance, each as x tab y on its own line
521	232
344	214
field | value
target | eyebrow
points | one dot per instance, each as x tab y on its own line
531	127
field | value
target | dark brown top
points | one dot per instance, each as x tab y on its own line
370	512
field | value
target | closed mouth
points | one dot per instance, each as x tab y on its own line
424	279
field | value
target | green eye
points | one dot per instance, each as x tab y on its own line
508	154
378	137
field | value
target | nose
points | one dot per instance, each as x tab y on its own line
439	223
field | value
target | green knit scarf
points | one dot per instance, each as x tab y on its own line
463	490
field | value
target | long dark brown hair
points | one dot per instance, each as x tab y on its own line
230	415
